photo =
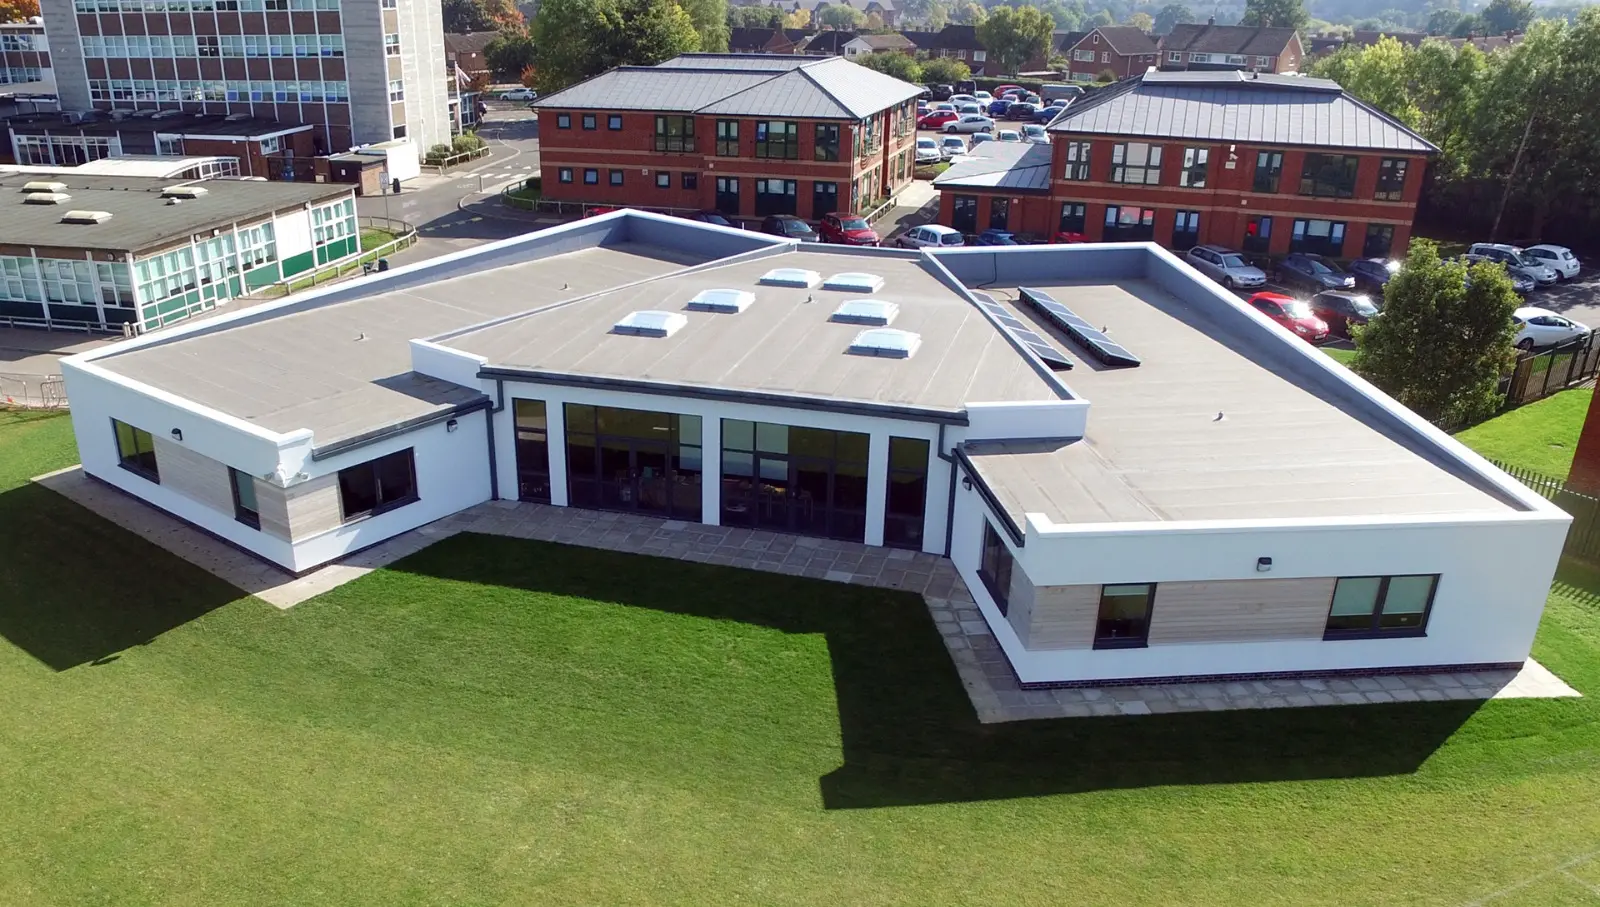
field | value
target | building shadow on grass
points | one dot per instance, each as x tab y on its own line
910	735
76	589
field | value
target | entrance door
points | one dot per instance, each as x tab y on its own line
728	194
824	199
965	217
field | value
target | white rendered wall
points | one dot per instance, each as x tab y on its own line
292	232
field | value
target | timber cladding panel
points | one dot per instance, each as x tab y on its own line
300	511
1252	610
199	478
1019	604
1064	617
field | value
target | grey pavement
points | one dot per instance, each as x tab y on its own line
979	661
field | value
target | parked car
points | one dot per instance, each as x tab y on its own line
1035	133
938	119
952	145
1008	135
963	98
1520	281
994	237
1315	272
1022	111
1340	308
1559	258
980	138
1293	314
1514	260
983	96
1000	90
1031	98
928	151
969	124
847	229
1046	114
789	226
1538	328
998	107
1061	92
942	105
942	92
967	86
934	235
922	109
1069	236
709	217
973	107
1225	266
519	94
1373	273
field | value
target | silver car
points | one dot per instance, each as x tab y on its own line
1225	266
952	145
929	235
1516	260
970	123
928	151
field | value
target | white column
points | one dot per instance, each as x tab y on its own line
877	486
938	503
711	470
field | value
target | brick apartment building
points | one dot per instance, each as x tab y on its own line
1265	163
357	72
24	53
1123	49
743	134
1212	47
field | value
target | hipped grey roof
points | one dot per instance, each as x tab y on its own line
648	88
1239	107
1013	166
1228	39
831	88
1126	40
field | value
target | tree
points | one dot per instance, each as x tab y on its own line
1106	75
710	20
1101	19
1141	21
800	18
18	10
938	16
509	54
529	77
1276	14
1170	15
840	17
893	63
502	14
944	71
575	39
755	17
1441	345
1377	74
1469	25
1502	16
966	12
460	16
1443	21
1015	35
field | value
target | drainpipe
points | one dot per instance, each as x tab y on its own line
950	499
488	421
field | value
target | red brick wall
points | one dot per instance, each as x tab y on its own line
1585	475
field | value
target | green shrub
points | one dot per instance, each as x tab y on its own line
467	141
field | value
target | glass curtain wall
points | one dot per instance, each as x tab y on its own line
809	481
533	451
907	502
633	460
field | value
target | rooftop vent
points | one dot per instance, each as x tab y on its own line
43	186
887	343
650	323
184	191
45	198
86	217
854	282
730	302
791	277
877	312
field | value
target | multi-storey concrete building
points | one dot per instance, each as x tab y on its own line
1267	163
24	53
745	134
357	72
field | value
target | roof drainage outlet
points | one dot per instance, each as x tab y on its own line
730	302
650	323
791	277
854	282
876	312
886	343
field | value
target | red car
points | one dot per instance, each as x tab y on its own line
1294	314
1067	236
848	229
1000	90
937	119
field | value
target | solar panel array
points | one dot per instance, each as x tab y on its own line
1031	339
1101	347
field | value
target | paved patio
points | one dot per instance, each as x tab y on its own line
979	661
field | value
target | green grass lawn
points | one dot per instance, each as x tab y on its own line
494	721
1339	354
372	238
1540	436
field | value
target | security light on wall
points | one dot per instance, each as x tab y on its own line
452	425
1263	565
177	434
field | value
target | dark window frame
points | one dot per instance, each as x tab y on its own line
1391	179
690	180
681	142
1078	154
614	177
563	121
1144	230
1190	237
531	444
755	499
901	527
1300	241
564	175
784	148
593	433
996	564
590	122
826	149
141	461
1149	172
789	197
1385	230
727	138
1268	177
351	475
1074	218
249	516
1329	175
589	172
1142	640
1374	630
663	179
1196	163
959	206
614	122
1259	242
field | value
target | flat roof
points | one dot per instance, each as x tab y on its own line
784	342
1209	427
154	165
172	122
344	369
140	218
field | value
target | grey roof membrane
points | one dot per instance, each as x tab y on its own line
1235	107
1227	39
1015	166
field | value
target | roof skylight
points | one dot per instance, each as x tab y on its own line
650	323
854	282
887	343
727	301
791	277
878	312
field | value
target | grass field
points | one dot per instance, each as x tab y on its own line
1540	436
495	721
1339	354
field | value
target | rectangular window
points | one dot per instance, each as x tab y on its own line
616	177
1129	223
1258	234
1379	242
1391	179
995	567
691	180
391	46
533	451
1329	175
908	493
1077	161
136	451
1138	163
779	139
663	180
1322	237
1072	218
675	134
727	138
1264	62
589	121
397	91
1174	56
378	485
563	121
591	177
1083	56
827	142
245	508
1193	173
776	197
1124	621
614	122
1269	169
809	481
1368	606
564	175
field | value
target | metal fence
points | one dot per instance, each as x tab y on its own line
1539	375
1583	538
37	391
405	235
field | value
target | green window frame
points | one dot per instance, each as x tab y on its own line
778	140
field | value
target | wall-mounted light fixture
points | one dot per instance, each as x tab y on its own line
966	482
1263	565
177	434
452	425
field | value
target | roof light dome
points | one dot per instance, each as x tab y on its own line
886	343
791	277
854	282
650	323
878	312
727	301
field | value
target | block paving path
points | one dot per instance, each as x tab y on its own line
979	661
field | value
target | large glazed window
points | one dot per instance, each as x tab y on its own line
633	460
1329	175
1124	620
907	502
245	508
533	451
377	486
136	451
1367	606
810	481
995	568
